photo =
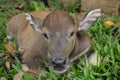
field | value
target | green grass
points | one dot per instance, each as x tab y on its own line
70	7
106	42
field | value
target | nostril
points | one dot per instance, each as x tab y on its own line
64	62
58	62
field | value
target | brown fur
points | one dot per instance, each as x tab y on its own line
33	43
27	38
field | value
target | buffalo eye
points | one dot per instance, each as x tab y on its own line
46	35
71	34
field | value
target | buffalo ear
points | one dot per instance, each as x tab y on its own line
33	21
89	19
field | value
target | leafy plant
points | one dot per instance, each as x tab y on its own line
70	7
35	6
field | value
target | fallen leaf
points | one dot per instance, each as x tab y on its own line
19	6
25	67
18	76
108	24
27	70
3	78
10	48
117	25
32	73
8	65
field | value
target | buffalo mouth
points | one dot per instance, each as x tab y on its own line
60	69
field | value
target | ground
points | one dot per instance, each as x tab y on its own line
105	41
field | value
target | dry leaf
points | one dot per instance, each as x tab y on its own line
27	70
25	67
108	23
32	73
3	78
8	65
19	6
18	76
10	48
117	25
